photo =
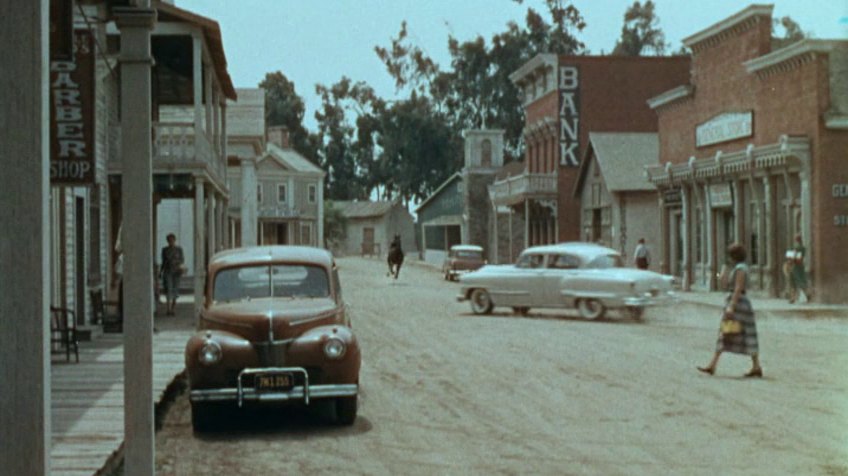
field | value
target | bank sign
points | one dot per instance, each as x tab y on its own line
72	115
569	116
724	127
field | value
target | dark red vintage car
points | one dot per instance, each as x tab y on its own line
273	330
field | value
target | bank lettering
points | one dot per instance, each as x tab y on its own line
569	116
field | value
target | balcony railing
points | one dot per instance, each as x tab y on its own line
175	144
282	211
516	189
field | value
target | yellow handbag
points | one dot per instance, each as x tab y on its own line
730	326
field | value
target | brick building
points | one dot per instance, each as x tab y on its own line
753	149
566	97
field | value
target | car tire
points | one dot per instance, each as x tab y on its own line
481	302
521	310
635	312
590	309
203	416
346	409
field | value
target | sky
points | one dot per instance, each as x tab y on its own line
319	41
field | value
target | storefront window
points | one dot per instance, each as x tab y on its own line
754	242
699	256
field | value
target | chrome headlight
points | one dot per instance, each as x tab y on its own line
210	353
334	348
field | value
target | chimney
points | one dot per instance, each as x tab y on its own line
279	135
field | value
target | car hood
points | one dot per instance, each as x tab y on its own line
270	318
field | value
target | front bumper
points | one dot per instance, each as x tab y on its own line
304	392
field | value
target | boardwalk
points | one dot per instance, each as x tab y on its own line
87	400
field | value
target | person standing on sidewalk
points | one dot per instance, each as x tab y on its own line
642	256
741	337
797	274
172	269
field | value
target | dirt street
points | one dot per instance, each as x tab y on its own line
447	392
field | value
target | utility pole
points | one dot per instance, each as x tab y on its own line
135	24
24	252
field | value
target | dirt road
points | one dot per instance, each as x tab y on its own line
447	392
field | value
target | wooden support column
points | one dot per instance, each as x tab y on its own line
24	303
320	194
135	24
211	223
199	251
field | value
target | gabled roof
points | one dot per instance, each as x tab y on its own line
290	159
211	31
456	176
363	208
622	158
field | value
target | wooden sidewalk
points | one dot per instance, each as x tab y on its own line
87	400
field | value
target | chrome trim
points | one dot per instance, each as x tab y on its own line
509	293
326	315
296	393
240	390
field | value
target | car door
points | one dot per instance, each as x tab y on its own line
562	268
519	285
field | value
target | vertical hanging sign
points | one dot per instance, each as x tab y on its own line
72	115
569	116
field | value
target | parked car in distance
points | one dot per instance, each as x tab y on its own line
587	276
273	330
462	259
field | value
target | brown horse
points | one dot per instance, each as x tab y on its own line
395	257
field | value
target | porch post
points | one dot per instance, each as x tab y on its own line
686	204
249	214
197	85
135	24
25	428
527	243
211	222
320	194
493	255
771	264
199	252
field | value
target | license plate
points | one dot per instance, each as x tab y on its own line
271	382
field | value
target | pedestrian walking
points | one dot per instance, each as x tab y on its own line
642	255
738	330
797	274
172	269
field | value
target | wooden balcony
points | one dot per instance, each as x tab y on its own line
514	190
177	145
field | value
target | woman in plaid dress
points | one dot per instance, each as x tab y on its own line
738	308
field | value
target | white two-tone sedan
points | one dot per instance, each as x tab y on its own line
587	276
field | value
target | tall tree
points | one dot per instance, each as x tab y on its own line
640	31
284	107
476	91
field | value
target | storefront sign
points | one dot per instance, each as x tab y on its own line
569	116
72	115
721	195
724	127
672	196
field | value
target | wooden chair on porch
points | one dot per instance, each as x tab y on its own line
111	321
63	332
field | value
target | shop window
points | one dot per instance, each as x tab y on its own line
281	193
259	193
313	193
699	247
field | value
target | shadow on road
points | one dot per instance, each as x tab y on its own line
558	317
295	422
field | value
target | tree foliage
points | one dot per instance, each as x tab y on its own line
284	107
406	148
792	32
335	225
641	31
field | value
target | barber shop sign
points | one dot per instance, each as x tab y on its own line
72	115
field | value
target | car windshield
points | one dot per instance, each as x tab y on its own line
467	254
606	261
279	280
